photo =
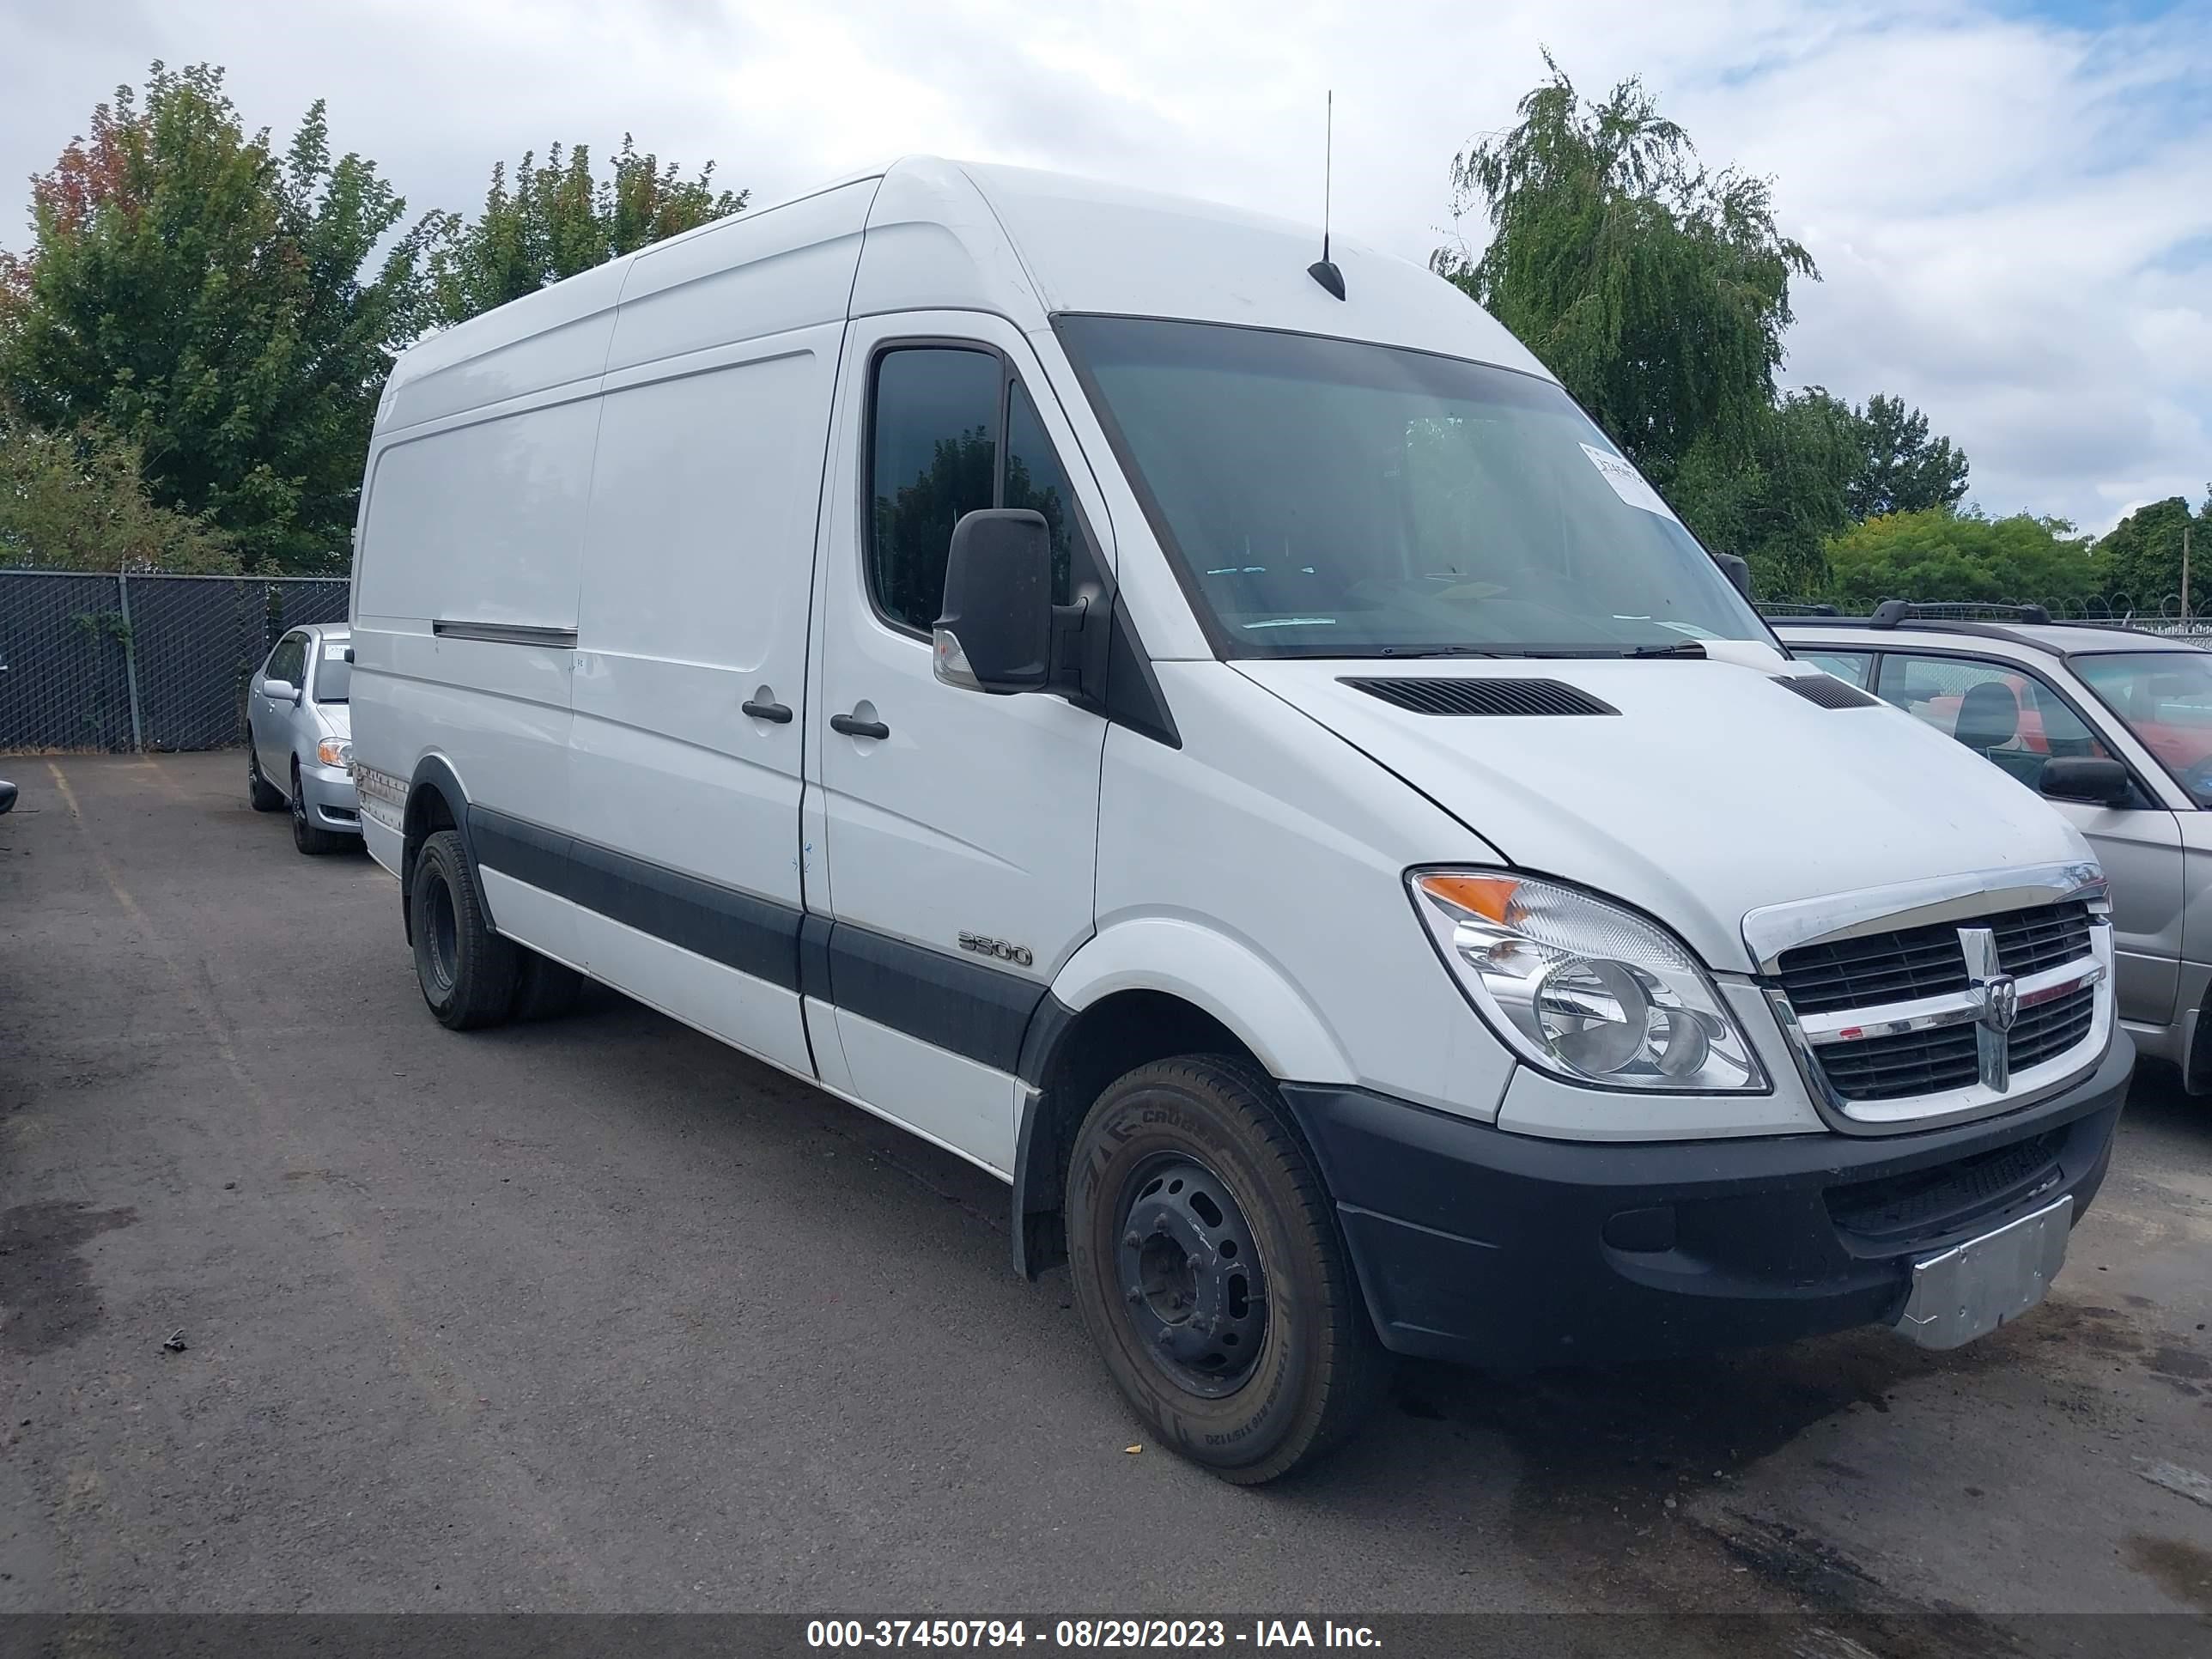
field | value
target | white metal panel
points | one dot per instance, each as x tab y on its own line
758	273
1091	246
550	338
934	245
481	522
543	920
701	538
1291	847
962	1106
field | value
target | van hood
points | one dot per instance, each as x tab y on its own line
1714	791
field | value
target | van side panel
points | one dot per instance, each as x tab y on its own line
475	521
699	539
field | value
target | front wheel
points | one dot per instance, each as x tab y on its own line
1208	1268
466	970
259	792
306	835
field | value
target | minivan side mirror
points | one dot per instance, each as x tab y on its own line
1737	570
2095	782
281	691
996	633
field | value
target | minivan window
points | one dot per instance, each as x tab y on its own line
2164	697
1328	498
2011	719
935	457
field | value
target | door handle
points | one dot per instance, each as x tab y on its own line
775	713
859	728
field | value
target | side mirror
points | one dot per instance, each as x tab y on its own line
1738	571
7	796
281	691
995	634
2094	782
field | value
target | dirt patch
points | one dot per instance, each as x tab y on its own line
45	1283
2183	1571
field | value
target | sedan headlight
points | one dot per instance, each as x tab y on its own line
1585	989
334	751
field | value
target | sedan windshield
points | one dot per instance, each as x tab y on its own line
2164	697
1326	498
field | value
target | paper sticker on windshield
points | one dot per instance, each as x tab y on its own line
1627	482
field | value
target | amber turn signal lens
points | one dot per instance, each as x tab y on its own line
1486	896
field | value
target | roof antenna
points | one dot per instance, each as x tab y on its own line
1322	271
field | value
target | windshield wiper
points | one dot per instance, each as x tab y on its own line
1404	650
1677	648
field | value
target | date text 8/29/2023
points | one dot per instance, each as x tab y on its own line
1120	1634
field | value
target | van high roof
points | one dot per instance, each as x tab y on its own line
951	235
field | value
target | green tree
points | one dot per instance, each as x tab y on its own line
1905	471
1937	553
77	502
1657	291
1779	498
201	294
2141	555
552	220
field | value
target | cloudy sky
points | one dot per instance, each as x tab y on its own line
2010	202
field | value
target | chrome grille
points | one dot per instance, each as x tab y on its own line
1938	1012
1926	962
1947	1057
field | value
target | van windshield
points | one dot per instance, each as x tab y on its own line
1327	498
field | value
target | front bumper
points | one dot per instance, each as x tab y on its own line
1509	1251
332	802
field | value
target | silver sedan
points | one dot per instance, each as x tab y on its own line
299	750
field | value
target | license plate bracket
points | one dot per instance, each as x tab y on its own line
1970	1289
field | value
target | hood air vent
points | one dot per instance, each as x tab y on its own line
1826	691
1484	696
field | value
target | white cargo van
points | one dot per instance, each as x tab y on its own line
1249	766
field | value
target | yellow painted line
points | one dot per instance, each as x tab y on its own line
99	859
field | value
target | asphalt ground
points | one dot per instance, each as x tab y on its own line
599	1314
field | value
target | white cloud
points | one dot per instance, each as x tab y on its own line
2012	213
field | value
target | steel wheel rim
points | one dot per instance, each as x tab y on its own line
1189	1277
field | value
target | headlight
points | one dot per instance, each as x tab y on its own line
1584	988
334	751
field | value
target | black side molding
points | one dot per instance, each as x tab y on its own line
505	634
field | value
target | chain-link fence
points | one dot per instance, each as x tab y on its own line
122	662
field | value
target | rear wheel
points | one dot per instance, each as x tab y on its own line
466	970
308	836
544	989
258	790
1208	1268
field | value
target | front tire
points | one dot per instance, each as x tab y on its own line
1209	1270
467	971
262	794
306	835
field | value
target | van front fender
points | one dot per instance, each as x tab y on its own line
1219	976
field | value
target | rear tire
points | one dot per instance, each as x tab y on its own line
262	794
544	988
467	972
1209	1270
308	835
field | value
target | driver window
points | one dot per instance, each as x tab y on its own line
2011	719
